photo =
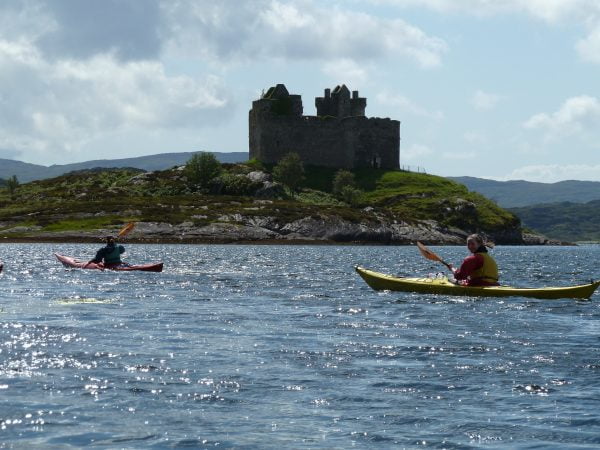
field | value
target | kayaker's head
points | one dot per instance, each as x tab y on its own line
110	240
475	244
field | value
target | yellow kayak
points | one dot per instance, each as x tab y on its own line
380	282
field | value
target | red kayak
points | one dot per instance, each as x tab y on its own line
67	261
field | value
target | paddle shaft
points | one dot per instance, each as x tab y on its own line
446	264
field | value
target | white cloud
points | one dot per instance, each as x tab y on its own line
128	29
553	172
406	106
286	17
352	73
415	153
70	102
484	100
467	155
548	10
226	32
475	137
589	48
576	115
583	13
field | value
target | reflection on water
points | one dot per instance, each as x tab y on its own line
271	346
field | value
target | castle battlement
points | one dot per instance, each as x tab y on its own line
339	136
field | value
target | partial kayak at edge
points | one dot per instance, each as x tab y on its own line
68	261
380	282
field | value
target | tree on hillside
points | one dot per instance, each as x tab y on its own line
342	179
12	184
344	187
202	168
289	171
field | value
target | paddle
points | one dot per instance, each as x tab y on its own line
126	229
432	256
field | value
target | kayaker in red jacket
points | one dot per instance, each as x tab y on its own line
478	269
111	254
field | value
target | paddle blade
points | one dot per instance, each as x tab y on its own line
126	229
428	253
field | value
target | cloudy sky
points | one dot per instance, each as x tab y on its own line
504	89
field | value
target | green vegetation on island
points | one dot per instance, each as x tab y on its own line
204	193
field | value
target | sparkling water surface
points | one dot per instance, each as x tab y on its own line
285	346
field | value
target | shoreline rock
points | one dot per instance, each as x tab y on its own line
322	229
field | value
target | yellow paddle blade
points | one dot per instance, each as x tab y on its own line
126	229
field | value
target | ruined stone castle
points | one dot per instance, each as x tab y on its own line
339	136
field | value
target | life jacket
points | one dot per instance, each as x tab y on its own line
113	256
486	274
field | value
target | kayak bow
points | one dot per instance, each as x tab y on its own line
67	261
380	281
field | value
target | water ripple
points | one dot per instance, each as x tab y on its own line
273	346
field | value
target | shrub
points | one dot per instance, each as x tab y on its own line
350	195
255	164
344	187
202	168
289	171
343	178
12	184
230	184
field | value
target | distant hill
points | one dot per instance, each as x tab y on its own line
26	172
517	193
566	221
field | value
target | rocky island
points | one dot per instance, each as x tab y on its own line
245	204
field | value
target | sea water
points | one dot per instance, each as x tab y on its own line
285	346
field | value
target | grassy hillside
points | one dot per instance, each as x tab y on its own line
421	196
566	221
89	200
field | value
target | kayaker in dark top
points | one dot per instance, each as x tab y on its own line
110	255
478	269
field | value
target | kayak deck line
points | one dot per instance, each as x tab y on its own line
70	262
379	281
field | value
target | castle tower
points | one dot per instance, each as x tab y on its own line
279	101
338	103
